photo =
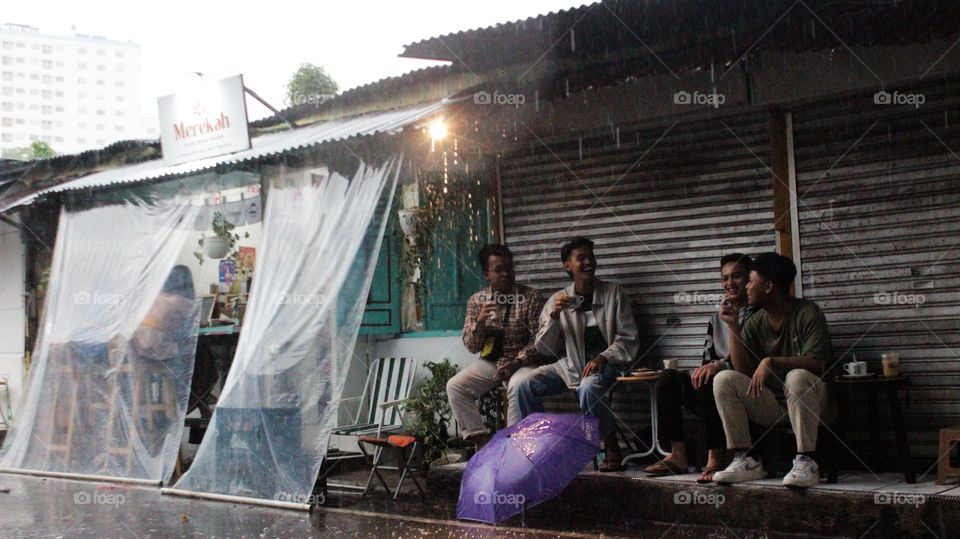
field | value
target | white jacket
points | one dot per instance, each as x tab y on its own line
563	338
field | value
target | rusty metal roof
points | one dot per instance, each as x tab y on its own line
272	144
683	34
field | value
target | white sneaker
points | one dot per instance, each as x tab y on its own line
805	473
743	468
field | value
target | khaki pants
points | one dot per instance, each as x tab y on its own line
807	404
475	380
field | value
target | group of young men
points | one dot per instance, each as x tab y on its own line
763	360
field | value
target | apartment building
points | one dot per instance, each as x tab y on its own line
75	92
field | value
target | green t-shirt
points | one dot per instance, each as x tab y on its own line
803	333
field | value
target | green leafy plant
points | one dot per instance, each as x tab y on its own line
222	229
431	410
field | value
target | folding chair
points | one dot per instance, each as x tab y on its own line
379	411
405	449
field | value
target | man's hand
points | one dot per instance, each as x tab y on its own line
505	371
759	377
560	302
704	374
594	366
729	314
486	309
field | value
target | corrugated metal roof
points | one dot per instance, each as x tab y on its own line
388	122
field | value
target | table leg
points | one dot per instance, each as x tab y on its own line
903	449
654	444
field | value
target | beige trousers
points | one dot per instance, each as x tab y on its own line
475	380
807	405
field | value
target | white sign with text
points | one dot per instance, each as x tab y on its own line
207	120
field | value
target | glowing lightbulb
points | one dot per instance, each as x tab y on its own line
437	130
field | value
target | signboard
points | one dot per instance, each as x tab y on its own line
206	121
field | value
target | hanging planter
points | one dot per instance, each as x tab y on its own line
408	221
215	247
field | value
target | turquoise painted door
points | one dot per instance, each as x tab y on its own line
382	313
452	274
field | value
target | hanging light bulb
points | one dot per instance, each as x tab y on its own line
438	130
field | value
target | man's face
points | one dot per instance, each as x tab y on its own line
734	278
759	289
581	264
500	274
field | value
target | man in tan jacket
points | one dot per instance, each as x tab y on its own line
589	327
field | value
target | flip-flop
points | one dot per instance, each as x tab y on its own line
662	468
710	470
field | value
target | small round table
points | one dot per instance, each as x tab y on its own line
651	381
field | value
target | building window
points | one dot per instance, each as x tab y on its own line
7	75
6	106
46	124
118	129
101	112
47	94
101	67
118	99
81	125
81	65
100	82
58	139
7	61
6	137
47	49
47	64
34	76
8	45
59	79
119	84
118	114
81	140
47	79
119	54
81	50
46	109
6	122
81	80
101	127
101	52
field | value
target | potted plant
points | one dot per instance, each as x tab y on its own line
431	412
223	242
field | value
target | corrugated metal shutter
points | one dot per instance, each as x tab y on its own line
673	201
880	215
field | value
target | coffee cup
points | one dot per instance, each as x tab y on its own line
856	368
670	363
891	364
576	301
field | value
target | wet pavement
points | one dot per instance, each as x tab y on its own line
39	507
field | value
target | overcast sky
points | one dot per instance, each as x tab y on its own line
357	41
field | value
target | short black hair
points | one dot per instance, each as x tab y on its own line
777	268
575	243
739	258
493	249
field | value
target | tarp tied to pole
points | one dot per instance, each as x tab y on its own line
323	226
110	378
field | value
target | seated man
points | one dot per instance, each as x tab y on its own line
589	326
778	359
677	390
501	324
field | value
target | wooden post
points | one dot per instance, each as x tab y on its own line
785	212
781	182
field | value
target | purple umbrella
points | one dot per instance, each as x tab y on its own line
526	464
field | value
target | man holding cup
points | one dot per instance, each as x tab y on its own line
500	325
589	327
677	390
779	355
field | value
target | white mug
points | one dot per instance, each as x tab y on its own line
670	363
856	368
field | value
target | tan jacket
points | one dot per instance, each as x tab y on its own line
563	338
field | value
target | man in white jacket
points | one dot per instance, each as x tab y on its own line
589	327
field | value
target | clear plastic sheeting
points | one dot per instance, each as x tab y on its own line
110	378
322	233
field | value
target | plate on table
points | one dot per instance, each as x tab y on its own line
858	376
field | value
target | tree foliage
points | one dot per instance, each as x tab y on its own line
309	82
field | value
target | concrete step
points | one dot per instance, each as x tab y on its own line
858	505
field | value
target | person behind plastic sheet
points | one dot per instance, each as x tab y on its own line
778	355
167	323
589	327
500	325
677	389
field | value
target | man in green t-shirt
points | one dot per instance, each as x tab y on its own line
778	360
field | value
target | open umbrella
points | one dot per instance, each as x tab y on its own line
526	464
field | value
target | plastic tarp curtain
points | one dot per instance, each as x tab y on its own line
322	232
110	378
